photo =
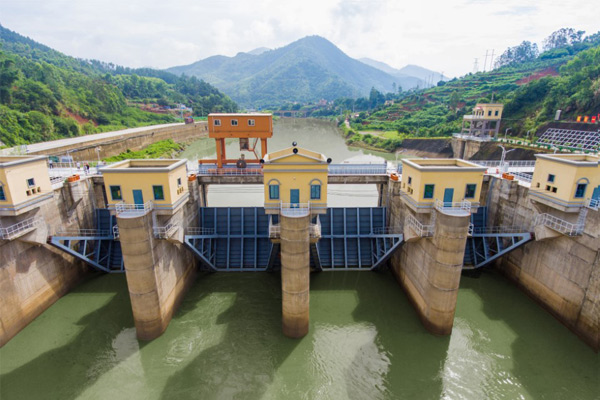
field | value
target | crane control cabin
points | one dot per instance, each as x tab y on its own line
248	128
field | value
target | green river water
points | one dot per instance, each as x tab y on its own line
365	342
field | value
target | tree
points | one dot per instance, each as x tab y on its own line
526	51
562	38
454	100
8	75
376	98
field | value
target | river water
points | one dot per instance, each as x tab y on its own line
312	134
365	342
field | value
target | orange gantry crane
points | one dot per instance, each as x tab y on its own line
248	128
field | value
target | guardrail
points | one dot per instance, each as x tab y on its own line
164	232
418	227
453	208
294	209
199	231
314	230
55	180
522	177
13	231
485	138
213	170
134	209
498	229
511	163
358	169
333	169
84	232
559	225
594	204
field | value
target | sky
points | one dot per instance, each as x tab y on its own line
444	36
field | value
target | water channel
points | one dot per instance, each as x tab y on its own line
365	339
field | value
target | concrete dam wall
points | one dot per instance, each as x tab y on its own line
136	140
561	273
33	274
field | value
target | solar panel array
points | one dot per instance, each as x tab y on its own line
584	140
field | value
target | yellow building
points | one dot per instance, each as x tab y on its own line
425	181
565	181
24	184
296	178
485	120
162	182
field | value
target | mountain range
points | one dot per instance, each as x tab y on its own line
306	70
408	71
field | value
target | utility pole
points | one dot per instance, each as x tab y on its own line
475	66
492	61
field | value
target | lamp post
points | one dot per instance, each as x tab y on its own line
506	132
504	168
98	148
70	158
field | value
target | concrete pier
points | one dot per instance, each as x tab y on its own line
159	272
429	270
295	275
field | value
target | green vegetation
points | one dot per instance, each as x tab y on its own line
47	95
531	86
162	149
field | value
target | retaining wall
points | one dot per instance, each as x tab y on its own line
34	276
562	274
137	140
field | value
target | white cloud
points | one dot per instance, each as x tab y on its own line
440	35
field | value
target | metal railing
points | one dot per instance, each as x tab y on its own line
274	230
314	230
164	232
522	177
453	208
199	231
497	229
418	227
213	170
134	209
358	169
511	163
13	231
388	230
55	180
485	138
594	204
84	232
559	225
294	209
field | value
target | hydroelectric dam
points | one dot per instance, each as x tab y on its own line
434	220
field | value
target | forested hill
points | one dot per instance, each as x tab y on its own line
309	69
532	85
45	94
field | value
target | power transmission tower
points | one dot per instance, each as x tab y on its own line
492	61
485	62
475	66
